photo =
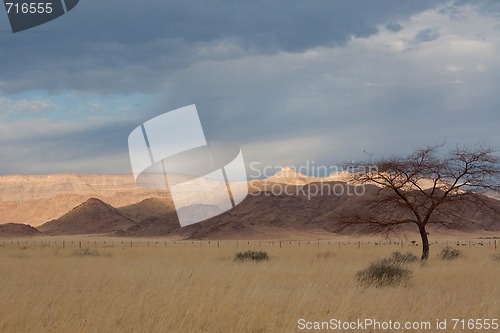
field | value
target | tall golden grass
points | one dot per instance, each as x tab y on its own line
188	288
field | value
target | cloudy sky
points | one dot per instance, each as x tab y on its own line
290	81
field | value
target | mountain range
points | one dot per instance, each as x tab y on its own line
287	205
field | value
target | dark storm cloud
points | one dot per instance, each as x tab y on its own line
123	45
285	79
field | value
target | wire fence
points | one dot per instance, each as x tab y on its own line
493	243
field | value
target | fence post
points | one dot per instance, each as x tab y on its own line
495	244
64	245
80	245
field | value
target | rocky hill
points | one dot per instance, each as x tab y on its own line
37	199
91	217
18	230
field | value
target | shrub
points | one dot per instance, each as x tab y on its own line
85	252
449	253
251	256
384	273
403	258
325	255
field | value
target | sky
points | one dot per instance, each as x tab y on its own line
292	82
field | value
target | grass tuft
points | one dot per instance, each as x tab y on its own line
403	258
325	255
86	252
449	253
250	255
384	273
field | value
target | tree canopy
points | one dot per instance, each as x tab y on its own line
424	182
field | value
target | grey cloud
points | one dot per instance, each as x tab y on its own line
225	57
426	35
8	106
123	46
394	27
485	6
361	101
75	146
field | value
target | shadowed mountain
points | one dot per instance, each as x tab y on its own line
318	209
148	208
91	217
33	199
164	225
18	230
288	205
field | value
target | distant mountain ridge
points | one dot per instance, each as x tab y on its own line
262	215
37	199
286	202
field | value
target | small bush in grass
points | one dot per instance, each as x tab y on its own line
251	256
403	258
449	253
325	255
384	273
85	252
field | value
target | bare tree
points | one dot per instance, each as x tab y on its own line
421	184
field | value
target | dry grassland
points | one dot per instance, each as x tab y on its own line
188	288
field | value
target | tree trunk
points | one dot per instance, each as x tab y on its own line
425	242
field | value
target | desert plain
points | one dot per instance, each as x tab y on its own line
132	269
